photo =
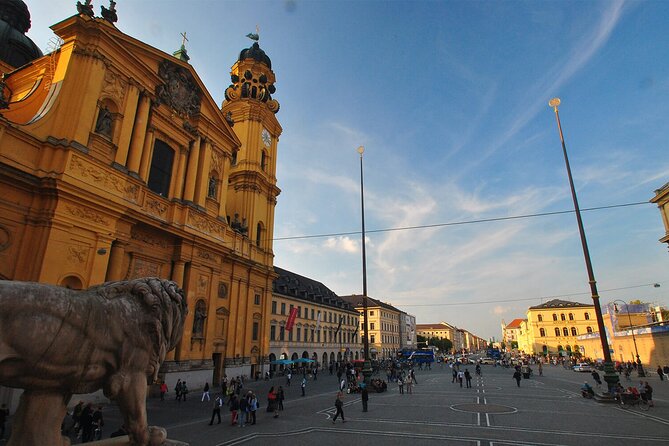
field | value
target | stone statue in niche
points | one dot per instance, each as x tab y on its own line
198	320
211	190
103	126
57	342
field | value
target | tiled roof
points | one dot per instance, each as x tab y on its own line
356	301
300	287
558	303
515	323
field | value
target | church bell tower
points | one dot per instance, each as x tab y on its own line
250	108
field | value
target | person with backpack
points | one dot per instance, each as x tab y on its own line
216	412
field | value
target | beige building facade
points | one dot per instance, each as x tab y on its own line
384	326
325	328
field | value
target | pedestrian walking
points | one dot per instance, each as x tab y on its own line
339	406
177	390
87	423
280	396
541	368
468	379
289	376
234	409
216	412
409	384
184	390
205	392
243	409
596	377
253	407
342	385
315	373
4	413
649	394
98	423
461	376
365	398
400	384
516	376
224	386
455	374
272	404
660	372
304	386
163	390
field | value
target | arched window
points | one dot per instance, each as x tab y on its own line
565	331
72	283
571	316
540	318
587	316
562	318
557	331
554	317
160	173
542	332
260	229
588	329
574	332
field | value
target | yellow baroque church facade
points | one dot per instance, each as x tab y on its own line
117	163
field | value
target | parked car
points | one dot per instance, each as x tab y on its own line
487	361
583	367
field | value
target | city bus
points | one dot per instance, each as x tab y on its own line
417	356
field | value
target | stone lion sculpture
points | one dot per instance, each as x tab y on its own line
55	342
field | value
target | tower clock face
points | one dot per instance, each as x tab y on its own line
266	137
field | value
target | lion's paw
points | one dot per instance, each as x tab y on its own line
157	435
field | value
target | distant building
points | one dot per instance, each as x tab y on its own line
324	329
650	335
463	340
407	331
511	332
555	326
384	326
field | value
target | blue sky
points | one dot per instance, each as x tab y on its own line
450	101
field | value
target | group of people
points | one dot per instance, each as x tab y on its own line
85	422
242	409
643	391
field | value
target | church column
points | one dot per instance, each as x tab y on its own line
178	272
126	125
223	189
114	269
181	172
145	164
202	182
191	174
138	133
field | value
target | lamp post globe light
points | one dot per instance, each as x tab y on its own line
639	366
367	364
610	376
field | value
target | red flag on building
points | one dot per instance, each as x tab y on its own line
291	319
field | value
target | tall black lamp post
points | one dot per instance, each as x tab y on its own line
610	375
639	366
367	365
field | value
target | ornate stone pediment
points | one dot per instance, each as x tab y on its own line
222	311
179	90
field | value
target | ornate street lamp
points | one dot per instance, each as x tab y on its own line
367	365
639	366
610	375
